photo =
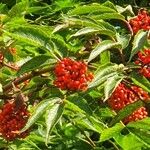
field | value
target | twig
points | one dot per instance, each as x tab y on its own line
21	79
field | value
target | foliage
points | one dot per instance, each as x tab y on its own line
36	36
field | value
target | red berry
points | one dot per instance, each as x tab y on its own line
123	96
12	120
143	60
141	21
71	75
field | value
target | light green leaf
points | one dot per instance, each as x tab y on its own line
39	110
93	8
110	85
86	30
111	132
108	16
140	124
138	42
104	45
53	114
104	72
33	63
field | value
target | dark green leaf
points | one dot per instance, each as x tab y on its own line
33	63
126	111
141	81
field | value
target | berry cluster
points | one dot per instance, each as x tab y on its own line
123	96
141	21
12	119
12	50
144	61
72	75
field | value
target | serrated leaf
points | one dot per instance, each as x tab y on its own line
126	111
38	112
52	116
110	85
140	124
104	45
141	81
104	72
32	64
93	8
138	42
111	132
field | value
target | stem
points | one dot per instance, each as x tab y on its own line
25	77
122	56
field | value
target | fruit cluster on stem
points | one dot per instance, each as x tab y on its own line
71	75
123	96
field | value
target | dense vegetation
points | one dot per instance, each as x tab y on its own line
75	75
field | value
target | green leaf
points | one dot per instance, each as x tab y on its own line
140	124
104	72
53	114
105	57
33	63
126	111
124	140
86	30
142	135
38	112
104	45
110	85
81	103
93	8
138	42
111	132
108	16
140	81
19	9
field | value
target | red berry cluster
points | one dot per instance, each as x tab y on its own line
141	21
123	96
144	61
138	114
72	75
12	119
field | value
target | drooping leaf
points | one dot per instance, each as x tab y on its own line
138	42
104	72
110	85
33	63
52	116
104	45
111	132
126	111
38	112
